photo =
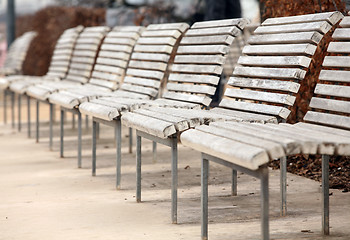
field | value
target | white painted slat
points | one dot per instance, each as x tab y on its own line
112	62
260	96
109	76
330	104
280	73
158	41
117	48
109	69
200	59
83	60
191	78
154	48
322	27
287	86
162	33
104	83
119	41
331	17
140	89
239	22
161	57
244	116
148	65
255	107
132	35
280	49
300	37
231	30
339	47
114	55
142	82
335	75
315	127
208	40
341	34
328	119
165	26
203	49
88	47
145	73
202	69
204	100
345	23
84	53
283	61
333	90
204	89
229	150
336	61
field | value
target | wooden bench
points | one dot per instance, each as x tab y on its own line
251	94
108	73
145	74
248	147
80	67
58	69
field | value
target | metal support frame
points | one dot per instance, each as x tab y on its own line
51	126
37	121
19	108
234	183
13	109
154	152
130	140
283	185
86	122
5	106
93	148
62	113
262	173
325	193
28	117
172	143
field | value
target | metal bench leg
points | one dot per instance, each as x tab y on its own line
154	151
97	130
325	192
234	183
37	121
204	199
94	130
5	106
79	139
51	127
28	117
62	113
130	140
264	177
86	122
138	169
118	139
19	112
13	109
73	121
174	180
283	185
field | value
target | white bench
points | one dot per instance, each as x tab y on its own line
108	74
248	147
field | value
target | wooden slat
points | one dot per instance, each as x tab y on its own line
120	41
112	62
158	41
201	59
161	57
192	68
330	104
132	35
117	55
166	26
117	48
335	75
191	78
331	17
289	61
336	61
322	27
84	53
232	30
333	90
280	73
162	33
148	65
104	83
260	96
145	73
109	76
204	89
345	23
153	48
300	37
255	107
287	86
239	22
244	116
280	49
328	119
140	89
199	49
142	82
341	34
204	100
220	39
110	69
339	47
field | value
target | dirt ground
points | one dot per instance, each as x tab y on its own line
44	196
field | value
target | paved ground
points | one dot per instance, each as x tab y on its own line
47	197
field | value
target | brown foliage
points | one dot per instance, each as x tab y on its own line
50	23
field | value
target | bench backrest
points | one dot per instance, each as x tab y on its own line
84	53
18	51
149	61
63	52
275	62
113	57
199	60
331	102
